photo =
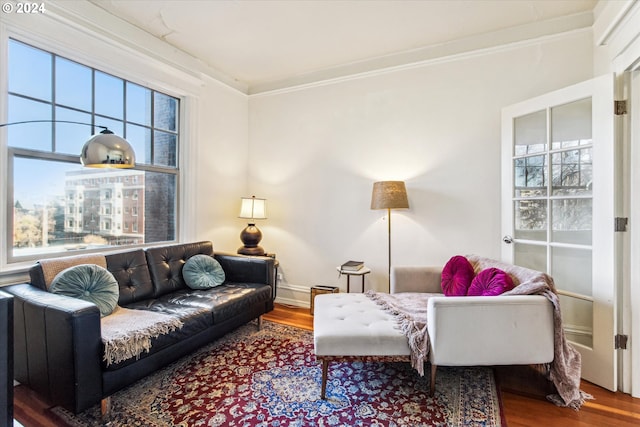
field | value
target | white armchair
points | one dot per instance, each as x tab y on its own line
481	330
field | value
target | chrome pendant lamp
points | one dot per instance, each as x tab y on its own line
103	150
107	150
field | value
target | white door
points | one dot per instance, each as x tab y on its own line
558	207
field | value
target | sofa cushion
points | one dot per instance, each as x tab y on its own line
88	282
457	275
202	272
490	282
166	262
131	271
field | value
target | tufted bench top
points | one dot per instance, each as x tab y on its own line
354	325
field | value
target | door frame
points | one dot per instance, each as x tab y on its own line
617	48
631	312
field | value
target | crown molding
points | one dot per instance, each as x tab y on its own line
91	19
470	46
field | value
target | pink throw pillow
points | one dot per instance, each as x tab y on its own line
457	275
490	282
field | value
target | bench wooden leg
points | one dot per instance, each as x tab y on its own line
259	323
432	386
325	369
105	408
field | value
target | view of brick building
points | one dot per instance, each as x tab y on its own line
107	203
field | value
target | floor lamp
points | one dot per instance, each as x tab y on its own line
389	195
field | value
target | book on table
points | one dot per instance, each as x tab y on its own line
352	266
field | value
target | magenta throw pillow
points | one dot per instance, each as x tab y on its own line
490	282
457	275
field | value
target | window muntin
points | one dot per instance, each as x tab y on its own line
48	183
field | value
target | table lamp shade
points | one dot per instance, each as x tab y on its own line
253	208
389	195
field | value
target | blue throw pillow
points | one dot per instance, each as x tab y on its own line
88	282
202	272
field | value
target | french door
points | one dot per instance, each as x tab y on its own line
558	202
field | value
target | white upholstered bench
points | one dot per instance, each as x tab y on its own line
349	326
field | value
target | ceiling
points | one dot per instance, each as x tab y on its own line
261	41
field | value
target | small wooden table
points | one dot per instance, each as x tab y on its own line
362	272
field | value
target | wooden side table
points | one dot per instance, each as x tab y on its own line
362	272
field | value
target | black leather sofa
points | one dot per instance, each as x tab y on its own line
6	359
58	345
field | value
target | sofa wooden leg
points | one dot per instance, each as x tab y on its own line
325	369
105	408
432	385
259	323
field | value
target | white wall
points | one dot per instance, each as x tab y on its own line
221	159
315	152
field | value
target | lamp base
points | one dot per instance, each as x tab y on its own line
251	236
258	251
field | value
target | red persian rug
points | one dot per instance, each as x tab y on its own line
271	378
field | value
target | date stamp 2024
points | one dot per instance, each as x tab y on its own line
26	8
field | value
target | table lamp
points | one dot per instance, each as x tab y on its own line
252	208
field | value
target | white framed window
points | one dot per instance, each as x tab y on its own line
44	157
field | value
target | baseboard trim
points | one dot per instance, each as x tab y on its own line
291	294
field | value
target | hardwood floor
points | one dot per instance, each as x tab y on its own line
522	390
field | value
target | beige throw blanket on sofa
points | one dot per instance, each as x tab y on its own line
411	312
127	333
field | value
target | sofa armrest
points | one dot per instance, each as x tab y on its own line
416	279
58	346
248	269
500	330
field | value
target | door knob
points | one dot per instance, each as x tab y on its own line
507	239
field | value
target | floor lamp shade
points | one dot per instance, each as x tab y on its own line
389	195
252	208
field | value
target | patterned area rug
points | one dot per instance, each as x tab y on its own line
271	378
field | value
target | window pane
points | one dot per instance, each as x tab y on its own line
160	205
165	111
531	256
138	104
530	133
572	220
39	204
114	126
62	206
572	172
35	136
109	95
530	219
164	149
140	139
29	71
70	137
530	176
571	270
571	124
73	84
